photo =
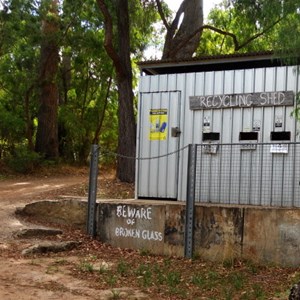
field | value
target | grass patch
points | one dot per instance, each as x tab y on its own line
178	278
123	268
86	267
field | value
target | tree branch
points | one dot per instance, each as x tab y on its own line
171	30
179	12
162	14
108	40
237	46
258	34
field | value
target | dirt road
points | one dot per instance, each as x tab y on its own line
24	278
18	192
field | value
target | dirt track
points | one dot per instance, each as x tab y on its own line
35	278
16	193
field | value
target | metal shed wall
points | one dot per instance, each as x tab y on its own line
229	122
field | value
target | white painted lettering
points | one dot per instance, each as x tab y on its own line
137	214
152	235
281	98
233	101
215	103
143	213
131	212
226	97
249	100
242	100
149	235
119	211
269	97
209	101
117	232
149	212
263	96
128	212
202	102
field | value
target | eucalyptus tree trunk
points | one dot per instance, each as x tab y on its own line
47	136
119	52
183	37
127	128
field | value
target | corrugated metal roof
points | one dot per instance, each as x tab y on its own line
211	63
209	57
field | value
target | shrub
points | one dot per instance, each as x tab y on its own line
24	160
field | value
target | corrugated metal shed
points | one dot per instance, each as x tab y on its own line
216	100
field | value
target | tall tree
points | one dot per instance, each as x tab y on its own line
47	135
120	55
188	19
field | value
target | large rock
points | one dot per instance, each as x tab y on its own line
45	247
36	232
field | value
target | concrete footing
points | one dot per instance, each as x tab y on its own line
266	235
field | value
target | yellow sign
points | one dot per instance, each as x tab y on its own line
158	124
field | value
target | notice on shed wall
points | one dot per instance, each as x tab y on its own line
158	124
285	98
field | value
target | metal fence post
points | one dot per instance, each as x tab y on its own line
190	202
91	211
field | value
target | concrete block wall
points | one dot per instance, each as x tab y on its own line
266	235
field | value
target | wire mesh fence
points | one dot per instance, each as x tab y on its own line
248	174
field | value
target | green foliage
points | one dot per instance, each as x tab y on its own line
123	268
173	278
24	161
11	126
240	21
237	280
274	24
86	267
111	279
88	100
198	280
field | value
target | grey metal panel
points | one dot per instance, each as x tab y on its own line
296	182
154	83
293	82
227	127
163	83
143	147
174	143
158	177
183	84
172	82
198	115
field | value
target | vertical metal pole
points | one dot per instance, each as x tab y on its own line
91	224
190	202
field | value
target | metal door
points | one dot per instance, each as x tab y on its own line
158	144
